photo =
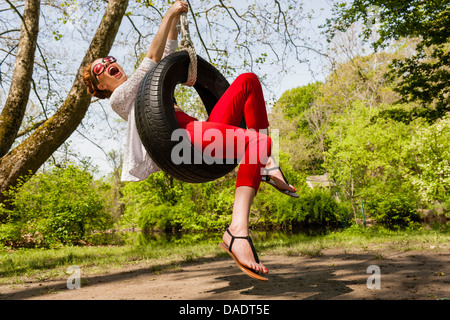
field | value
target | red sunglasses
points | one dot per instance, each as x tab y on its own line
100	67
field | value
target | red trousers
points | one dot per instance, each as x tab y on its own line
222	138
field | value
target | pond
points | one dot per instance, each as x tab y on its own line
160	238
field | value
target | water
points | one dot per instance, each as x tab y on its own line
161	239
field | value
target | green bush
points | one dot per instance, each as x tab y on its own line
162	217
314	210
151	205
164	204
394	211
62	206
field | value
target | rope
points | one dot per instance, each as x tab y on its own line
187	45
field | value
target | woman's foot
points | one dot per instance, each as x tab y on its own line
275	174
242	249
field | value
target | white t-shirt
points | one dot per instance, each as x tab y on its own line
137	164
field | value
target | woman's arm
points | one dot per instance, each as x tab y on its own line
166	30
173	32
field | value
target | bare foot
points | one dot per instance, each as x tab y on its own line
242	250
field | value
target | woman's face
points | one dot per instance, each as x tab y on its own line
111	75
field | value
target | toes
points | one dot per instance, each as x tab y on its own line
264	270
257	268
254	267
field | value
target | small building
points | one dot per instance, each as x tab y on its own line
319	182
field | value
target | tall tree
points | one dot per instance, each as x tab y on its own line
15	106
36	149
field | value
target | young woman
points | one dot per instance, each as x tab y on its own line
105	78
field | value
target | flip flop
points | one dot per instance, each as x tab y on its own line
267	179
250	272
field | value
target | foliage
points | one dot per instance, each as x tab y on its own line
430	170
162	203
362	152
151	205
62	206
296	101
369	160
394	211
314	210
424	76
290	116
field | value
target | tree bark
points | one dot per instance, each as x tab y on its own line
34	151
16	103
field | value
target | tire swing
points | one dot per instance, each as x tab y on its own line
156	119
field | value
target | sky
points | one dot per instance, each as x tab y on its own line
302	73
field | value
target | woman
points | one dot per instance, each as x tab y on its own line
106	79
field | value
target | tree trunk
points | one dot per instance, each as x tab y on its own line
16	103
34	151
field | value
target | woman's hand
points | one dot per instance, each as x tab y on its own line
178	7
156	50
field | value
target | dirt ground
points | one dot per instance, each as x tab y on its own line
336	274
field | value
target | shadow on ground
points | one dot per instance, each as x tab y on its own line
333	275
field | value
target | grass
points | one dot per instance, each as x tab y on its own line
358	238
21	265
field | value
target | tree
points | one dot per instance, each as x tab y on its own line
289	115
429	158
422	77
15	106
36	149
296	101
364	157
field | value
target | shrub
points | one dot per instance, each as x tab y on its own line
394	211
314	210
162	203
58	207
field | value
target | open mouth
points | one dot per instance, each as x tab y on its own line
113	71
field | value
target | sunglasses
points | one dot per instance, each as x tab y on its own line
100	67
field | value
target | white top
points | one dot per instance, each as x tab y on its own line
137	164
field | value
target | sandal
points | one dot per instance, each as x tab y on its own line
250	272
266	178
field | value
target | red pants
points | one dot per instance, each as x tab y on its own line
221	136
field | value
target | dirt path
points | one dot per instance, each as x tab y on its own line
333	275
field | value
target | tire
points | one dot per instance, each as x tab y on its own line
156	119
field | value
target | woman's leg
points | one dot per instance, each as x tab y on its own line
222	141
218	140
244	98
239	226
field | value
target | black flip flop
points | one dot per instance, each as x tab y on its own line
250	272
267	179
